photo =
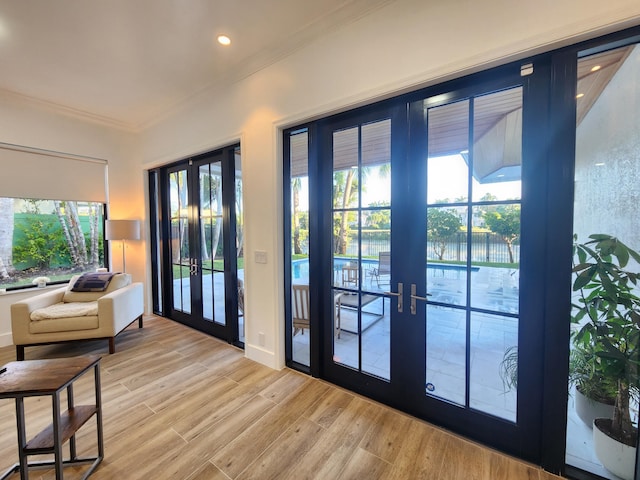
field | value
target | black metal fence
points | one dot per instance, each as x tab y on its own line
485	247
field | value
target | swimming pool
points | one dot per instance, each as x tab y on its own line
300	268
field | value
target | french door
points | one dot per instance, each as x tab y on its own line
431	240
201	284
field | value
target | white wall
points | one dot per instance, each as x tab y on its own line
32	124
407	44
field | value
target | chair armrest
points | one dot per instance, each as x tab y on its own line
121	307
21	311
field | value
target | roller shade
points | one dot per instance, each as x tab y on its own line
34	173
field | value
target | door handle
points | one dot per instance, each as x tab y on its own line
193	269
398	295
415	297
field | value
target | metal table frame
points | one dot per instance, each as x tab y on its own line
14	383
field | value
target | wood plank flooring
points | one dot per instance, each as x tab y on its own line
179	404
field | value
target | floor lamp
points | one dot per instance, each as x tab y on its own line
122	230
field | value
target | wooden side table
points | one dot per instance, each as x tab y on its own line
33	378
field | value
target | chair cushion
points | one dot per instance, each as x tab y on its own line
68	324
64	310
119	280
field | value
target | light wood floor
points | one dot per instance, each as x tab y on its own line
179	404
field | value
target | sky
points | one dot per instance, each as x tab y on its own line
443	176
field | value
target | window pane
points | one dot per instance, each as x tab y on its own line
497	147
48	238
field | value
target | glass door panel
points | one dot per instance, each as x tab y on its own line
298	162
469	276
361	237
204	289
211	233
179	240
423	274
239	244
604	359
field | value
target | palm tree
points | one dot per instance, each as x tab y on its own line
343	197
296	185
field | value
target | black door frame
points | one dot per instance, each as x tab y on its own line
159	188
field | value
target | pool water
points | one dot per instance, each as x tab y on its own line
300	268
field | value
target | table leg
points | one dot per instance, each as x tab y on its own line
72	440
57	435
22	439
99	410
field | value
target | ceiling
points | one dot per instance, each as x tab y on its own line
129	62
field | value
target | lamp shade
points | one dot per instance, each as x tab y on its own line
122	230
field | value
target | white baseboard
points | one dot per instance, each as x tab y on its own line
6	339
260	355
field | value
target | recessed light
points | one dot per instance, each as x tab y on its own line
599	164
595	68
580	95
224	40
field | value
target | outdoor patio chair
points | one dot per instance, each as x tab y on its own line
300	308
383	269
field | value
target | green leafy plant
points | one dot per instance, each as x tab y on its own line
509	368
41	242
607	312
585	374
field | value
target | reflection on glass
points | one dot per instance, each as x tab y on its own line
488	391
447	169
446	353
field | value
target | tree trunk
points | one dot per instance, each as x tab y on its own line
297	248
65	229
75	230
93	233
6	237
344	225
622	426
510	250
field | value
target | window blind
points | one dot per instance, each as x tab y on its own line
27	172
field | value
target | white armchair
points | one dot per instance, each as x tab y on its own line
63	315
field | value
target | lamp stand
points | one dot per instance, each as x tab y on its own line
124	265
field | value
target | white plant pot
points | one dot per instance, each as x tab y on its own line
588	410
615	456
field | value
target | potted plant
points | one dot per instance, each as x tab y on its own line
595	394
607	314
509	368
